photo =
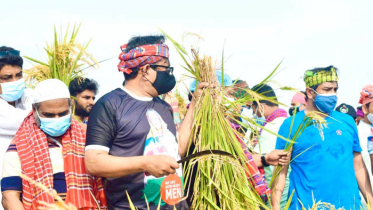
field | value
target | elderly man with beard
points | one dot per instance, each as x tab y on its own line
84	92
49	148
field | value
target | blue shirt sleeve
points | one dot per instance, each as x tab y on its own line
11	183
356	146
284	131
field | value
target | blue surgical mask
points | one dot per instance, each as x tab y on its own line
326	102
55	126
259	120
12	91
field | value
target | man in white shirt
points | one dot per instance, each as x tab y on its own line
365	124
15	100
364	128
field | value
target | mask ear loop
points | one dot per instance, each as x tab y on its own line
314	91
37	113
37	118
261	109
313	99
145	76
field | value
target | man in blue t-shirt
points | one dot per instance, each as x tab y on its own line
329	169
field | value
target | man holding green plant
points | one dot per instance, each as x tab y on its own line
131	137
327	164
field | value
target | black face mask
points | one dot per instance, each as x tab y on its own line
164	82
291	110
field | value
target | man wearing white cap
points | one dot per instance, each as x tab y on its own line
49	148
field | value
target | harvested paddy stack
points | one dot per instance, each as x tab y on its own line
220	182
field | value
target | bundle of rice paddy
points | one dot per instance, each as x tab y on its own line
220	182
66	57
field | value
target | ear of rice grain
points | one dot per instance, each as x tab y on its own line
65	60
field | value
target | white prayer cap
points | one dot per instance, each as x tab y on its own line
50	89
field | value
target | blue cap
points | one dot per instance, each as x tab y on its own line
227	81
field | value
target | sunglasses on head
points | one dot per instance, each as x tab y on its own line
4	54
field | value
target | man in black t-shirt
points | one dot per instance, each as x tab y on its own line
131	137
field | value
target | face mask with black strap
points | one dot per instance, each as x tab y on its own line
294	110
164	82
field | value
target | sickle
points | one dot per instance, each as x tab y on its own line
203	153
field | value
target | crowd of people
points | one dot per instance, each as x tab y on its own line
94	153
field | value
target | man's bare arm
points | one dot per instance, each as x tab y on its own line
12	200
274	158
101	163
185	129
278	187
362	178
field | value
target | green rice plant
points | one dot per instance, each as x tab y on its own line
310	119
220	182
323	205
66	57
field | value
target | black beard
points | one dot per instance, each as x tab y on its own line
80	111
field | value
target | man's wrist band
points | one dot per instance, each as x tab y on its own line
263	159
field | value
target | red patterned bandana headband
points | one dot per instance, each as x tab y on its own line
366	95
140	56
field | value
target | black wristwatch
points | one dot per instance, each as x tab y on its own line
263	159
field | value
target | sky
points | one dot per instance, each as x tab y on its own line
255	35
